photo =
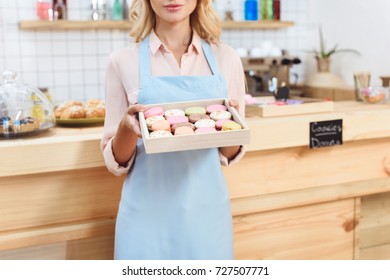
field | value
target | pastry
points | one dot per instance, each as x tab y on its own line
177	125
94	112
196	117
205	123
25	125
95	102
215	107
194	110
160	133
177	119
174	112
161	125
62	107
221	115
219	123
73	112
184	130
154	111
149	121
201	130
5	124
231	125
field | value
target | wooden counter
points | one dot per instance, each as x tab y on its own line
58	201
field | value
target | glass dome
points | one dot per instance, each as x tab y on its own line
24	110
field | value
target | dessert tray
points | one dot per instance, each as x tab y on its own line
195	141
294	106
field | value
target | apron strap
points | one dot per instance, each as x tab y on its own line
144	62
208	52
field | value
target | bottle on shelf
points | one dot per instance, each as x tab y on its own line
276	9
59	10
251	10
99	9
229	11
117	11
43	9
125	10
267	9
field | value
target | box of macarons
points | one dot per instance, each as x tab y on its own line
192	125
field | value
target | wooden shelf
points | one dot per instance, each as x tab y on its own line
260	24
73	25
125	25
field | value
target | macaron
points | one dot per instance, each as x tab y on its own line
177	125
201	130
219	123
184	130
174	112
176	119
149	121
215	107
196	117
194	110
231	125
221	115
154	111
205	123
160	133
161	125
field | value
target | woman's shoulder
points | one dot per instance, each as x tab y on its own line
225	52
124	54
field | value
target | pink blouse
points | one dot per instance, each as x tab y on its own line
122	84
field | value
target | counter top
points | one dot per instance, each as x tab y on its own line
79	147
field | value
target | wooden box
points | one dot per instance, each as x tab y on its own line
197	141
309	106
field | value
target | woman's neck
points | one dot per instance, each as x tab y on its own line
176	38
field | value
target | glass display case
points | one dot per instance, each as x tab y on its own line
24	110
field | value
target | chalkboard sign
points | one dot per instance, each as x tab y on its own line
326	133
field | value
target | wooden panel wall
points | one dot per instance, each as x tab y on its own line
320	231
375	227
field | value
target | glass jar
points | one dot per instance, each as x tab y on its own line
24	110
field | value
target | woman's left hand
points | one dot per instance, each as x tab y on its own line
234	103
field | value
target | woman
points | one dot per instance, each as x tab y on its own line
174	205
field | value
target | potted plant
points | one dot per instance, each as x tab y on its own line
323	55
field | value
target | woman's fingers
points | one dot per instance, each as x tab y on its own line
133	109
234	103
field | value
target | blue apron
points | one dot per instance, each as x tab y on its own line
175	205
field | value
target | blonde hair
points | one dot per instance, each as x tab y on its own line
204	20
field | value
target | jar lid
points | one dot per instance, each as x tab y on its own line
24	110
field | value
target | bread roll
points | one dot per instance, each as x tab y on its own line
73	112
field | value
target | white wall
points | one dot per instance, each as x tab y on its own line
363	25
72	63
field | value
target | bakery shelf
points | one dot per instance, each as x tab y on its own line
260	24
125	25
73	25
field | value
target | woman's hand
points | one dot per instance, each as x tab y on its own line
231	152
234	103
125	140
130	119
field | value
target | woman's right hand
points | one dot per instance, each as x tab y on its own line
130	119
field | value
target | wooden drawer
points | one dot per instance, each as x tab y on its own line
375	227
94	248
58	197
323	231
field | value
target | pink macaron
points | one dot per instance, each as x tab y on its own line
154	111
161	125
201	130
215	107
219	123
177	119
